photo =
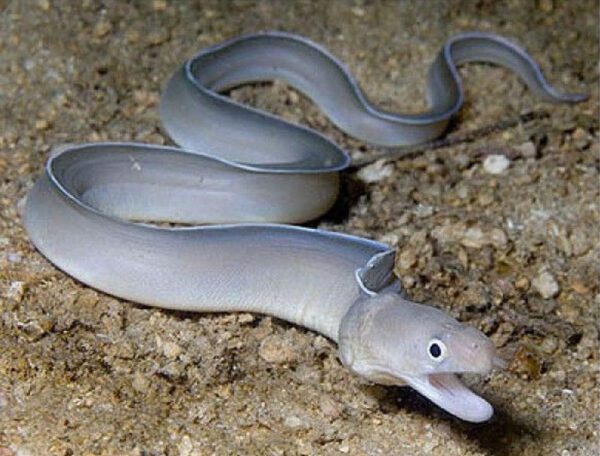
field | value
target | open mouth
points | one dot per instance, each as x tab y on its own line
448	392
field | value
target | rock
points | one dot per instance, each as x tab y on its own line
16	291
295	422
3	400
527	363
580	241
495	164
102	29
320	343
549	345
35	329
423	211
44	5
293	97
172	371
169	349
375	172
581	138
274	349
358	11
546	6
407	259
132	36
330	408
157	36
13	257
390	239
245	318
527	149
522	284
545	284
159	5
497	237
42	124
474	238
140	382
579	287
485	198
451	232
186	447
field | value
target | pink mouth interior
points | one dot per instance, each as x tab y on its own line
449	393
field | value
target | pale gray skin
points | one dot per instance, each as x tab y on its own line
245	168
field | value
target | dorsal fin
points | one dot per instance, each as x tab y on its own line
378	274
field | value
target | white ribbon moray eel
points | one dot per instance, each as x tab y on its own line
239	172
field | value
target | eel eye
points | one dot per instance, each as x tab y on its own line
436	350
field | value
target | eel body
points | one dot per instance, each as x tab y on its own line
239	177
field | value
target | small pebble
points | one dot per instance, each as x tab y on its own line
245	318
44	5
407	259
172	371
527	149
526	362
581	138
497	237
15	291
495	164
321	343
545	284
549	345
275	349
172	350
132	36
485	198
167	348
330	408
41	124
344	448
358	11
408	281
140	382
546	6
185	446
390	239
159	5
35	330
294	422
475	237
102	29
3	400
522	284
375	172
579	287
293	97
580	241
14	257
156	37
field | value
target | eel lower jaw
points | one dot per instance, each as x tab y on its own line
448	392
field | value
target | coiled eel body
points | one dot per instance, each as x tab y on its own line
243	174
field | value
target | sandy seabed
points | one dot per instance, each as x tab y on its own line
514	254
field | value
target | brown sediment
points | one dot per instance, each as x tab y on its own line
514	254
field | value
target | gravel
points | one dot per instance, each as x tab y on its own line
514	254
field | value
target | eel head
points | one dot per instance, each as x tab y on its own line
390	340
